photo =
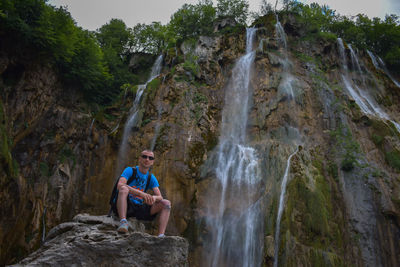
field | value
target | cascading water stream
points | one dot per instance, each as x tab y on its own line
234	216
346	80
281	35
157	127
132	119
281	206
365	102
286	85
91	125
373	59
44	225
380	65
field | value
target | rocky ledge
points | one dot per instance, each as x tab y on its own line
93	241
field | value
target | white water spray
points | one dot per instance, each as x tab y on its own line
234	217
132	119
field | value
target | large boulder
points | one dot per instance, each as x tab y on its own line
94	241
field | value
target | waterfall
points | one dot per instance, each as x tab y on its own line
132	118
44	225
286	84
342	54
280	33
234	217
91	125
380	65
346	80
373	59
360	96
281	206
157	127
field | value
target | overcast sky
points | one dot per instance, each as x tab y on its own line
92	14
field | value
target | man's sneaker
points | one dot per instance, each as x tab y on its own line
123	227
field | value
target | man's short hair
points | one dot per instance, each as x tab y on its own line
147	150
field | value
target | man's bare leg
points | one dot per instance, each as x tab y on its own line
122	203
163	207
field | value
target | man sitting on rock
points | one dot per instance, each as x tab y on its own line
133	201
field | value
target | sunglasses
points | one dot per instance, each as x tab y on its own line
147	157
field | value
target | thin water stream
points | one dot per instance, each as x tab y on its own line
281	206
380	65
132	119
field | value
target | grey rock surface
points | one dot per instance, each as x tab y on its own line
94	241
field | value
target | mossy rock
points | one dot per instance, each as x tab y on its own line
382	128
196	153
393	159
267	21
152	87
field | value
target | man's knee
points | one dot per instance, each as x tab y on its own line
123	191
166	204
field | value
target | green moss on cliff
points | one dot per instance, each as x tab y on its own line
382	135
393	159
199	102
270	219
268	21
162	143
350	148
152	88
314	212
191	65
312	219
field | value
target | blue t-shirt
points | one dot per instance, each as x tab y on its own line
139	183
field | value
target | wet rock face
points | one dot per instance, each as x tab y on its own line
94	241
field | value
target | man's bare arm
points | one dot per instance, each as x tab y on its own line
157	194
147	198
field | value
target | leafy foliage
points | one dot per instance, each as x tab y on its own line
52	34
114	35
192	20
237	9
148	38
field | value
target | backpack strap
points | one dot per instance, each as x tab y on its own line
148	182
132	177
114	192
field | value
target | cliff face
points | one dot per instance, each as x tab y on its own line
343	192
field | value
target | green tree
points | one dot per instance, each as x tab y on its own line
115	40
87	70
114	35
147	38
237	9
192	20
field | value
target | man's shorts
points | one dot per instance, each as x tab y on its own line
140	212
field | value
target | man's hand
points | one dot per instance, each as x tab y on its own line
148	199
